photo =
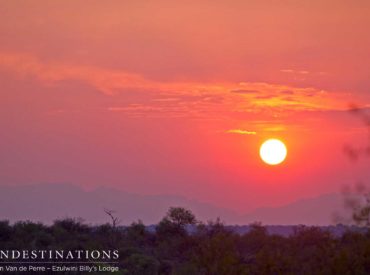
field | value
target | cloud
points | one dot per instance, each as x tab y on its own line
106	81
287	71
288	98
290	71
287	92
241	132
265	96
241	91
205	99
303	72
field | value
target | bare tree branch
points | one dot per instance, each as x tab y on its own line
115	220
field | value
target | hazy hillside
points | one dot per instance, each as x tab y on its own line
46	202
315	211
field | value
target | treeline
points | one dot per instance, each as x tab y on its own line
206	249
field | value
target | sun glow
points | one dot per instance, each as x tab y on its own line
273	151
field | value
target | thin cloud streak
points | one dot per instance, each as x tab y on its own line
199	97
241	132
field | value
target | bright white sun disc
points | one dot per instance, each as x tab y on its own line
273	151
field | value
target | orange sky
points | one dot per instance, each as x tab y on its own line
162	97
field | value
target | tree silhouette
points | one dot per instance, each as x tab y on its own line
115	220
359	201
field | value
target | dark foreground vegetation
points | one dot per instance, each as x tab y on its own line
206	249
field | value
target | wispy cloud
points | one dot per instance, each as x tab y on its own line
241	132
106	81
290	71
243	91
205	98
287	92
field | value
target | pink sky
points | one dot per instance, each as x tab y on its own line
159	97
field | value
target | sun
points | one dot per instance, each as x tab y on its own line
273	151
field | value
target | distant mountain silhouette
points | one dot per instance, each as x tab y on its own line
320	210
47	202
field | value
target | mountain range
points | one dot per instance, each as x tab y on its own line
48	202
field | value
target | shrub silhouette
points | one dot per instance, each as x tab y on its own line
182	245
